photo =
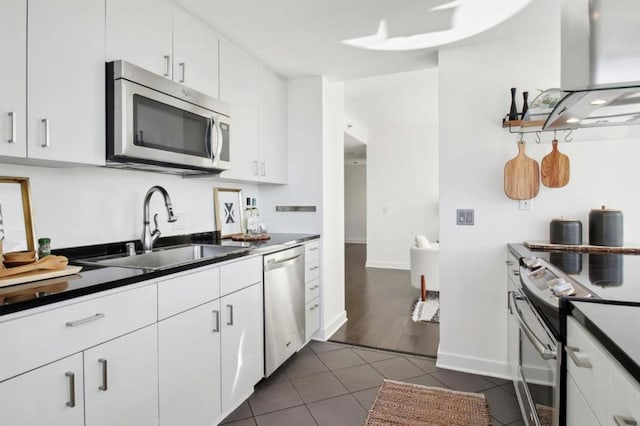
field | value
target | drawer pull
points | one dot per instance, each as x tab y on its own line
313	308
217	314
624	421
516	272
314	287
576	357
104	385
313	268
72	389
85	320
313	248
230	314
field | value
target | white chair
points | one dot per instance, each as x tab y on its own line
424	261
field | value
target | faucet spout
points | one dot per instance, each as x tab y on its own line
149	237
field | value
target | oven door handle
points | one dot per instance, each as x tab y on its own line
542	349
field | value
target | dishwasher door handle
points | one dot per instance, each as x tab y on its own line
282	263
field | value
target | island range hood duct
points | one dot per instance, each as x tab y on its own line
600	65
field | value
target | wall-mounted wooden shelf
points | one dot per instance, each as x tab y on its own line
520	123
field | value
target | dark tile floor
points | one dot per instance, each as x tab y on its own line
379	304
335	384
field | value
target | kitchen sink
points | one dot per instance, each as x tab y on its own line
163	258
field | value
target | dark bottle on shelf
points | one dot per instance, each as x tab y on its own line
513	112
525	104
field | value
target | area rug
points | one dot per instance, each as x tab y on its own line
407	404
429	310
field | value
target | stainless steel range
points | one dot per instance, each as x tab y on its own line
535	349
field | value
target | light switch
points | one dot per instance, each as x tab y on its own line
464	216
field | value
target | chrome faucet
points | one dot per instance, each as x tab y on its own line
149	237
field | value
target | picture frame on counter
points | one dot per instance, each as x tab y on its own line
16	216
227	208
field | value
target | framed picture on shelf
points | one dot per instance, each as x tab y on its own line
227	208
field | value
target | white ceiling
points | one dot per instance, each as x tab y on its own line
299	38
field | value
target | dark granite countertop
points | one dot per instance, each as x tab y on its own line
94	279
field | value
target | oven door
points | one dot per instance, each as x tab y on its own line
152	127
537	372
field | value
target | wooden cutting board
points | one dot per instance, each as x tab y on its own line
38	275
555	168
583	248
521	176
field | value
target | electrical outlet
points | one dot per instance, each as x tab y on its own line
465	216
180	224
525	204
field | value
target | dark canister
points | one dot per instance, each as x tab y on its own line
565	231
605	227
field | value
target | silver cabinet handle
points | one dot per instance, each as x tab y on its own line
255	168
314	307
72	389
13	138
509	262
47	141
85	320
217	328
263	168
104	386
314	287
167	65
542	349
624	420
313	268
579	362
313	249
516	272
183	66
230	314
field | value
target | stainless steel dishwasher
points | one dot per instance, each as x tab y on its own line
283	306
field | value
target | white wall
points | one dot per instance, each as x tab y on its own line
474	96
355	203
94	205
401	113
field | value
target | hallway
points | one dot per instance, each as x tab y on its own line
379	303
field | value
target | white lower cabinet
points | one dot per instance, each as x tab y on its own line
121	380
50	395
578	411
242	344
189	367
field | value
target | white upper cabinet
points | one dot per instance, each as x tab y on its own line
272	125
66	73
258	100
141	32
239	88
13	78
195	47
164	39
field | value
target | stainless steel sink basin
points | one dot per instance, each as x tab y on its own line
163	258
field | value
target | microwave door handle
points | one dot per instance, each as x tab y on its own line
542	349
220	141
208	141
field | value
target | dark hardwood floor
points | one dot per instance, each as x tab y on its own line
379	305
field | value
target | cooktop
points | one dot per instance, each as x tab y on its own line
608	276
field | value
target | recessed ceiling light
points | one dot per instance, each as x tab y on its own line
598	102
573	120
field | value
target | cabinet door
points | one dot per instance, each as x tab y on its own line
13	81
189	367
578	411
624	398
121	380
49	395
140	32
195	53
239	88
242	344
272	143
66	81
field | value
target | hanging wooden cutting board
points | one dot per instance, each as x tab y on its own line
521	176
555	168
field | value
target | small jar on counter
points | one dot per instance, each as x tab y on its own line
44	247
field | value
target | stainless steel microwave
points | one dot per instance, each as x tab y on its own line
156	124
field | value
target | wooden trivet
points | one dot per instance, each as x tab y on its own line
251	237
584	248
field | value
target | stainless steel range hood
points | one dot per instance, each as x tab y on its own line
600	65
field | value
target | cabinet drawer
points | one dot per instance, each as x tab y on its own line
311	290
44	337
312	251
592	381
238	275
312	318
624	395
578	411
513	268
312	270
187	291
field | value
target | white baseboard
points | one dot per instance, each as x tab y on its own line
356	241
387	265
327	331
484	367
